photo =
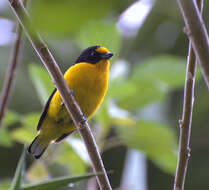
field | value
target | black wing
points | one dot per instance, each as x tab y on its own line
45	110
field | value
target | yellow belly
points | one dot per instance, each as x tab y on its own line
89	83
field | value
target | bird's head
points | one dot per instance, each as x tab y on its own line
94	54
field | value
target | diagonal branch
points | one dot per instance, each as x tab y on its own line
197	33
69	101
185	123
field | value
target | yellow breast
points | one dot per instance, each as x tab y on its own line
89	83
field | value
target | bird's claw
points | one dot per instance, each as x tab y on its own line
71	92
62	103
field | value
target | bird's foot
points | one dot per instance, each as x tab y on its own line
62	103
71	92
84	119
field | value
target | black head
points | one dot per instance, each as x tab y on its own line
94	54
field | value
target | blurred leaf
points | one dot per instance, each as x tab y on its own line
167	161
150	81
102	114
37	172
26	133
165	70
109	114
17	180
103	118
41	81
58	182
68	157
123	121
157	140
31	120
67	17
22	136
10	118
56	169
132	95
79	147
5	184
5	139
100	33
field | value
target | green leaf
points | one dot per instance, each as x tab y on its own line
167	161
58	182
37	172
103	118
157	140
54	17
31	120
10	118
41	81
27	132
150	81
131	95
164	70
17	180
5	139
70	159
123	121
106	34
5	184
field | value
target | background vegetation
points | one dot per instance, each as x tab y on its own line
143	104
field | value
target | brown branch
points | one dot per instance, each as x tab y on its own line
69	101
185	123
197	33
10	75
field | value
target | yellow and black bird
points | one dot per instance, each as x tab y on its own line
88	79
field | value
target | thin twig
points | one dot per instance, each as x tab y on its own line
197	33
69	101
185	123
10	75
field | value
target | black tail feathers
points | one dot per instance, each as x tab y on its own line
36	149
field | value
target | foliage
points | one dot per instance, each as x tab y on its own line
155	139
44	18
17	180
41	82
55	183
58	183
152	80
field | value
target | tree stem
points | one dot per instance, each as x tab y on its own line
197	33
10	75
185	123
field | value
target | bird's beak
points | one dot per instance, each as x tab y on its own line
107	55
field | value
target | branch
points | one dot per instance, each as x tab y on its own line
197	33
69	101
10	75
185	123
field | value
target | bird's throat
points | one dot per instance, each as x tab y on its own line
103	65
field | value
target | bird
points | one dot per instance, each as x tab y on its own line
87	78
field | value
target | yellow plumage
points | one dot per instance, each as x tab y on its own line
89	83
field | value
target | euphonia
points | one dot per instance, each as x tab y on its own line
88	80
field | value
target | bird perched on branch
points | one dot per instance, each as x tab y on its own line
88	79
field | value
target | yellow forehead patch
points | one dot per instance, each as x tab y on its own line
102	50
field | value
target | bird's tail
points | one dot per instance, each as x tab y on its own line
36	149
